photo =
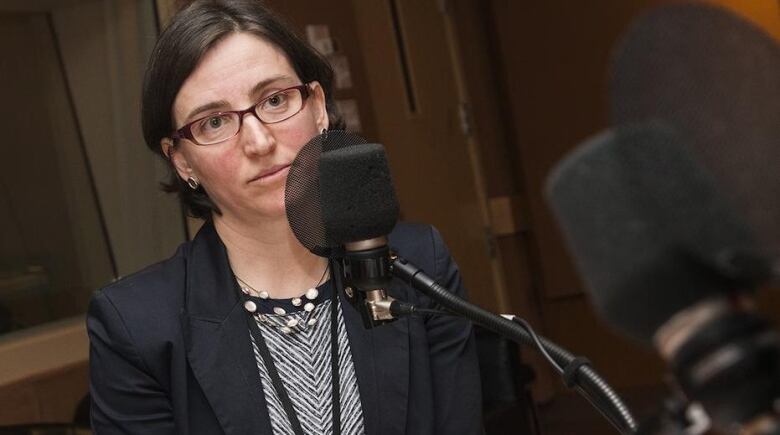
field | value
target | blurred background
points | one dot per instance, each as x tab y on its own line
475	100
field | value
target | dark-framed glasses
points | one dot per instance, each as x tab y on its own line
221	126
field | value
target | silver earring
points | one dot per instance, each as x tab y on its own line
193	183
324	132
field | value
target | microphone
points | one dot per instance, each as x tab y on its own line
341	203
713	76
668	262
361	210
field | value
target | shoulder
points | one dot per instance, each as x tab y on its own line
413	239
146	303
415	235
156	282
422	244
410	231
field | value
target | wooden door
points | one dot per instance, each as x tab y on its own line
419	108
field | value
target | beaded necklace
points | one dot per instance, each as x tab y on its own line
265	353
291	325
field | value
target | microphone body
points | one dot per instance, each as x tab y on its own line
359	210
341	205
726	357
367	276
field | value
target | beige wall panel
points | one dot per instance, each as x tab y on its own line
18	404
59	393
51	397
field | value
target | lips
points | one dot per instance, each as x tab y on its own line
270	174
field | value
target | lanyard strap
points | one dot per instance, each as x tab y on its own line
335	385
276	380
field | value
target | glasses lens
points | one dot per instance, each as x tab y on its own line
280	106
215	128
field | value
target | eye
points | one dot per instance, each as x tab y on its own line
275	101
215	122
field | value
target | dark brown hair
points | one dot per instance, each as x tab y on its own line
191	33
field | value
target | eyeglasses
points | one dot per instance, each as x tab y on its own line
221	126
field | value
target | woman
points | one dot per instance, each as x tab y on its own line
240	331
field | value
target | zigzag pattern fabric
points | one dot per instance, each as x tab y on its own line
303	360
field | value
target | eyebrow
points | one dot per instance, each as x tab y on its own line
208	106
222	103
262	84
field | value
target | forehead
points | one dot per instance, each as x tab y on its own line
230	70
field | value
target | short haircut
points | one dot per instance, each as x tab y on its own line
191	33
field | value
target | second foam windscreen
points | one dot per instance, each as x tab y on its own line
646	224
714	77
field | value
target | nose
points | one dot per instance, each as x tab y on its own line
256	137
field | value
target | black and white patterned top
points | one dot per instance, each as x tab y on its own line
303	360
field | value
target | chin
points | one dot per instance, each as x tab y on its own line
272	209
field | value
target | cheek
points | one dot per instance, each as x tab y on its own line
296	136
219	167
301	139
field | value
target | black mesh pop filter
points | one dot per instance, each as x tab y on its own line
339	190
715	78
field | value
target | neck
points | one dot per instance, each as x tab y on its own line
266	255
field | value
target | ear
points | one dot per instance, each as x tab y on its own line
177	158
321	109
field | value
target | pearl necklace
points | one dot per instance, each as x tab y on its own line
286	326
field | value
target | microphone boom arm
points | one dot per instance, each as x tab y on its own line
583	378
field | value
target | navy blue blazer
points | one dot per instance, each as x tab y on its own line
170	351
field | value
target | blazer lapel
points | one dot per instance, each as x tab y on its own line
220	353
381	359
219	349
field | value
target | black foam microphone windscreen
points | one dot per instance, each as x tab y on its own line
357	194
715	77
339	190
648	230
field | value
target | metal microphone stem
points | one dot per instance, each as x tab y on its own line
367	276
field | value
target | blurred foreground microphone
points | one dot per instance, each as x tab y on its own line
341	204
714	77
668	262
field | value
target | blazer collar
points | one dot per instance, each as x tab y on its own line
220	351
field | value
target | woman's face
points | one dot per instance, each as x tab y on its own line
245	175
